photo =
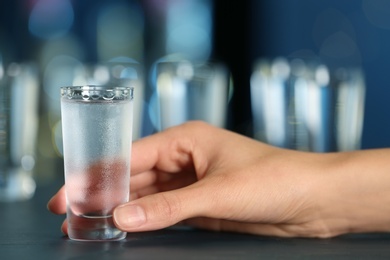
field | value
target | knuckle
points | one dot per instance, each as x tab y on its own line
169	207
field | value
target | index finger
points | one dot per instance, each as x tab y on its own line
190	146
168	151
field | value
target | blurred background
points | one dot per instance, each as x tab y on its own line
54	37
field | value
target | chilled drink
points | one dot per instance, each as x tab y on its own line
97	134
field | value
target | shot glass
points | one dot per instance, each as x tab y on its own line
97	138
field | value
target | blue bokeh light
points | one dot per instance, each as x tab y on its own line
51	18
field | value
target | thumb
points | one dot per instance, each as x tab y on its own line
160	210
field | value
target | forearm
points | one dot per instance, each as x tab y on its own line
354	193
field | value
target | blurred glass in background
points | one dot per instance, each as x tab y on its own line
183	81
191	91
19	98
308	105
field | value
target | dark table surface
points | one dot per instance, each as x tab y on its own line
29	231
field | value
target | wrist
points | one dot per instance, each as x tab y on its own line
354	193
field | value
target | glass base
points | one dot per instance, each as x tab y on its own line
81	228
108	234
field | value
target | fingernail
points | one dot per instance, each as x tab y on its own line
130	216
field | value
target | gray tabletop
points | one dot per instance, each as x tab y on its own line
29	231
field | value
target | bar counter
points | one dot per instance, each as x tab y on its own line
29	231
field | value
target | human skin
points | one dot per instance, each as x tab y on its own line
211	178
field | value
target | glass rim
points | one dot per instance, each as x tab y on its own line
96	93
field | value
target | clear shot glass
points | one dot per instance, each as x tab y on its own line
97	138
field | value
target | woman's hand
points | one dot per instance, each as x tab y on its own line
214	179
